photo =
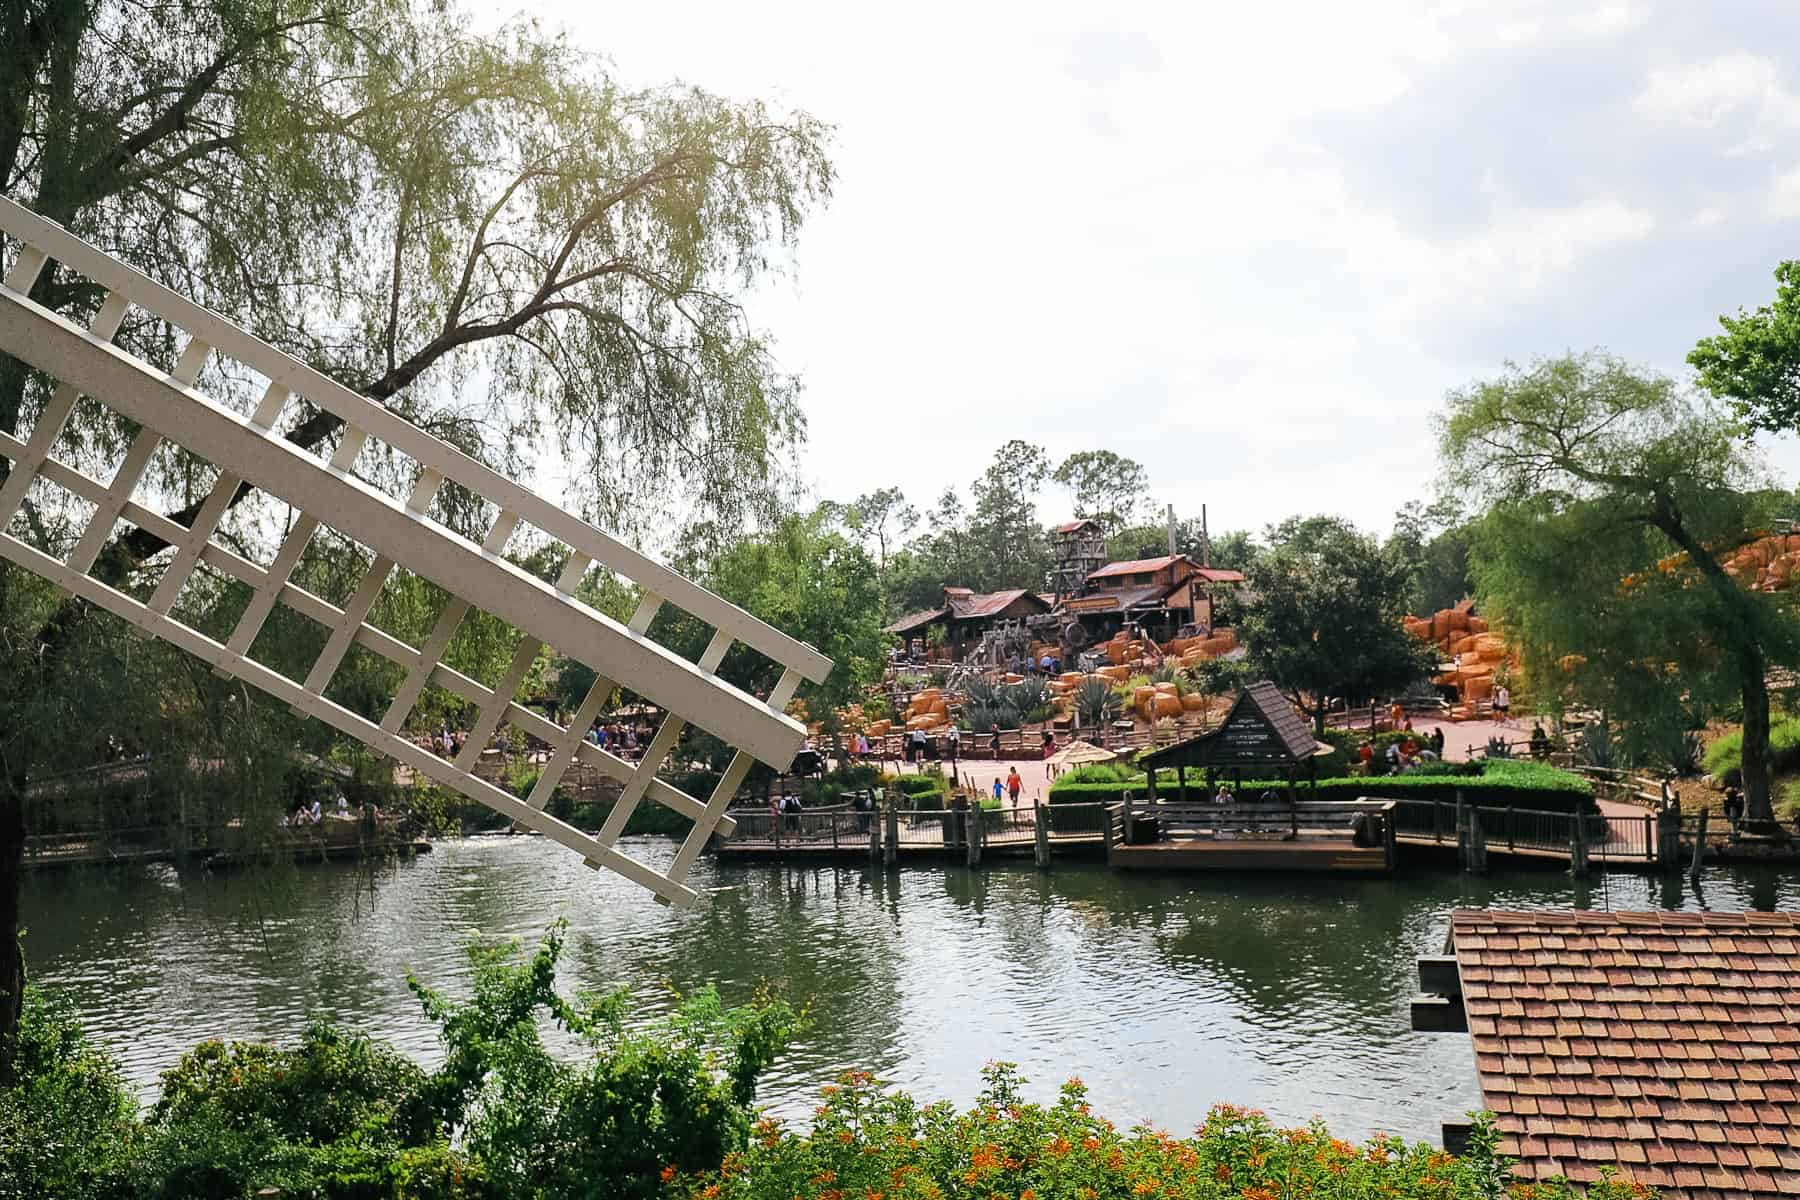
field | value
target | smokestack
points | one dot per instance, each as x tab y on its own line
1171	531
1205	540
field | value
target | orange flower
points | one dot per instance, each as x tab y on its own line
668	1173
709	1192
1144	1187
1059	1147
1259	1193
825	1176
1028	1194
1222	1173
845	1136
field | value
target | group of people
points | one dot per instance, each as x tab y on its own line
1403	755
313	813
1010	788
621	737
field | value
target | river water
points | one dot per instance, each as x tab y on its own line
1164	993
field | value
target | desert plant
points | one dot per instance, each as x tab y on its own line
1597	749
1499	747
1095	703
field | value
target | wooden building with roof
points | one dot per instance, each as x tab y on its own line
1261	734
1662	1043
966	614
1161	594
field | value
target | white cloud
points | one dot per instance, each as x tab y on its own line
1144	230
1740	96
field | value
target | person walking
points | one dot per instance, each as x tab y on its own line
1014	785
999	789
1502	705
1734	807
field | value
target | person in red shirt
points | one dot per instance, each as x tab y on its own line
1014	784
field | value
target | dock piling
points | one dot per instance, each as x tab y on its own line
1041	834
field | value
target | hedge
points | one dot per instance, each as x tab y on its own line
1725	757
1498	783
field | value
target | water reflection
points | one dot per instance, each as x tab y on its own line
1164	993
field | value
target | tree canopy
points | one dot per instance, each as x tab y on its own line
1755	362
1611	495
488	233
1325	619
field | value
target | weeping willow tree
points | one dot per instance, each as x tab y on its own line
1612	498
489	234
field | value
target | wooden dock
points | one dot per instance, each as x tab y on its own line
1330	855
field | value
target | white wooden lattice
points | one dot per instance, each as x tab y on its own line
399	534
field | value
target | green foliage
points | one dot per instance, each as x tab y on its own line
866	1140
1755	363
1725	757
338	1114
1105	486
1597	747
341	1117
1596	476
678	1093
1096	703
1499	782
68	1126
926	791
1432	544
1326	619
809	580
1106	772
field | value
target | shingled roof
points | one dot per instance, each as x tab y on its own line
1664	1043
1262	727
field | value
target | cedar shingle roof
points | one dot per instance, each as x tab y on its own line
1665	1043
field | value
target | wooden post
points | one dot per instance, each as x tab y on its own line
1699	846
1512	829
890	842
1578	856
1668	837
1477	859
874	835
1106	831
1130	834
1041	834
973	823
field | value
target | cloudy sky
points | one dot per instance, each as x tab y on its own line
1252	244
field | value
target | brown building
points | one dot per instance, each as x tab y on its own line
1162	594
965	615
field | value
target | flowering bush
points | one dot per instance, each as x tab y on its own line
868	1144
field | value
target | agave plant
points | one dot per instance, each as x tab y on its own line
981	692
1171	673
1597	748
1096	703
1025	698
983	717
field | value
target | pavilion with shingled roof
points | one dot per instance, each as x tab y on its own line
1666	1044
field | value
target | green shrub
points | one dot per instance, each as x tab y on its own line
676	1094
68	1127
926	791
1499	783
866	1141
1725	757
1106	772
